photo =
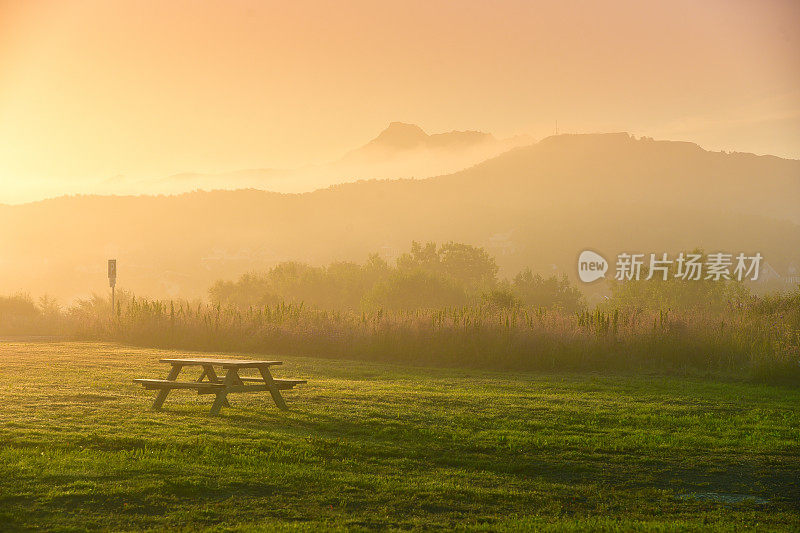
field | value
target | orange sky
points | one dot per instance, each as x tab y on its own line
90	89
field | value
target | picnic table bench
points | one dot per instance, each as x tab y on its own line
209	381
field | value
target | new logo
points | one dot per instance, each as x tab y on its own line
591	266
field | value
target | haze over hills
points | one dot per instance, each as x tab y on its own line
399	151
537	205
400	136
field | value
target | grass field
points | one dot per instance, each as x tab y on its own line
370	445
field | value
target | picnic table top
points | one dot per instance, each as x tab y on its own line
225	363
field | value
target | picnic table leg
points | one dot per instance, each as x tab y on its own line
162	394
208	371
231	378
273	390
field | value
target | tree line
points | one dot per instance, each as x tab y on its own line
428	276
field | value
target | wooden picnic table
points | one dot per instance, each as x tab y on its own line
209	381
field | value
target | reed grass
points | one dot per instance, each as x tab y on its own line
756	339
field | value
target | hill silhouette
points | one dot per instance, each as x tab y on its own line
538	206
402	136
399	151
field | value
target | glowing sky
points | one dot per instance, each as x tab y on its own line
90	89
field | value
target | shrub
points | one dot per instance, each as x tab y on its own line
415	289
553	292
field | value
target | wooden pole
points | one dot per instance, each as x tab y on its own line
112	281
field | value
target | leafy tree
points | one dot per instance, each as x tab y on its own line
673	293
426	277
553	292
469	265
415	289
502	297
420	258
249	290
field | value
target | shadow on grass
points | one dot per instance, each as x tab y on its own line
774	478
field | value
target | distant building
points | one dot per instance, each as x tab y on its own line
769	276
792	275
502	243
388	253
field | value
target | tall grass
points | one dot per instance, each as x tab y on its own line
20	315
757	338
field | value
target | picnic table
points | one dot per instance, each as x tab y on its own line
210	382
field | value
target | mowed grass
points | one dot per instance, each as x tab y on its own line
375	446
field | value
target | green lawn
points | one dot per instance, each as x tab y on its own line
369	446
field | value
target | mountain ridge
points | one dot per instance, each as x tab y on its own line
402	135
399	150
535	205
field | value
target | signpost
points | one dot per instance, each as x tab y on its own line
112	280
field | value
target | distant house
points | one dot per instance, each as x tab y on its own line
388	253
768	274
502	243
792	275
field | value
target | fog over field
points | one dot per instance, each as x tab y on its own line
537	205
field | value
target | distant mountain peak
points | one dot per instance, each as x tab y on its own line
401	135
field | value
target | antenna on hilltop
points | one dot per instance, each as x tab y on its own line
556	127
